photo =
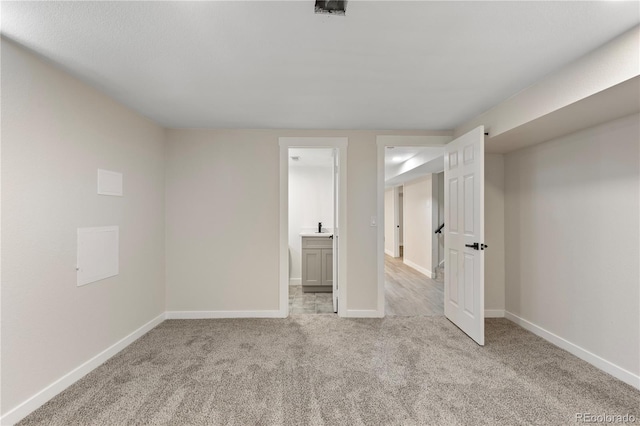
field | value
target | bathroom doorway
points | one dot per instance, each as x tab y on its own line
311	230
312	209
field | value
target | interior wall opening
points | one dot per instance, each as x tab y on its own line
334	148
413	247
311	229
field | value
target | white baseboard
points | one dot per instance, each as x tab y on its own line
389	252
222	314
363	313
295	281
494	313
593	359
418	268
18	413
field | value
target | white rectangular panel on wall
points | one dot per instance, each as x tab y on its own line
98	254
109	183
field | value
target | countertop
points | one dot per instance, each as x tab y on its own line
316	234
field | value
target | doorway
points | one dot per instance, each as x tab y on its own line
312	225
464	231
407	166
411	217
311	230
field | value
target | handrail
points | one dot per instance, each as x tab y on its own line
439	230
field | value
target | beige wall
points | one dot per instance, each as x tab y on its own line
494	232
222	214
221	221
572	239
418	228
56	133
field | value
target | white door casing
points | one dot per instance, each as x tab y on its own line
464	226
336	200
397	220
341	144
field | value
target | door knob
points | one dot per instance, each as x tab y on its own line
477	246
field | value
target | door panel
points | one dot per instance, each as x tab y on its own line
452	283
327	267
312	267
453	206
468	271
464	209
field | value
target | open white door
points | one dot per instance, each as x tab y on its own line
464	233
336	187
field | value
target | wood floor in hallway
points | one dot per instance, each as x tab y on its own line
409	293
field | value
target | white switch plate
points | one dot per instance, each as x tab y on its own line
109	183
374	221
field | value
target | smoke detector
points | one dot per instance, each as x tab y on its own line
331	7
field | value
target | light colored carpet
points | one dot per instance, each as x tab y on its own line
324	370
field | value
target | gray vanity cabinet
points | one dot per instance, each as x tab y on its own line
317	264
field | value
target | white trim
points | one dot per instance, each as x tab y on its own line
494	313
419	268
383	141
295	281
341	144
396	220
364	313
389	253
435	220
36	401
593	359
276	313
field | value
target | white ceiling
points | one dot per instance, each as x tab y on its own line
397	154
385	65
405	163
394	157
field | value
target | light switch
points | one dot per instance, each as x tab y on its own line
374	221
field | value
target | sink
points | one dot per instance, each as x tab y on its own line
316	234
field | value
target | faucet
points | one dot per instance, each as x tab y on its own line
319	227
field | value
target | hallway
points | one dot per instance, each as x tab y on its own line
410	293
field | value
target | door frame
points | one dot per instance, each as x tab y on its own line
383	141
396	220
339	143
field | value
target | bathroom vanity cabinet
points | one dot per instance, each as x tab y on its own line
317	263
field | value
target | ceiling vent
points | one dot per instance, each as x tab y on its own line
331	7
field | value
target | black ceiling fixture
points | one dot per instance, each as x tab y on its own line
331	7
